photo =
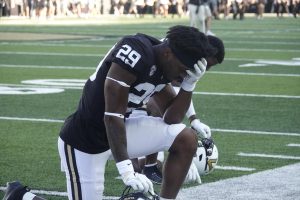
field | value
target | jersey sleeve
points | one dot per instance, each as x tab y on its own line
133	54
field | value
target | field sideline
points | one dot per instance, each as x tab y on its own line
251	101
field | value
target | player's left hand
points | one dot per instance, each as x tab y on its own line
202	129
193	175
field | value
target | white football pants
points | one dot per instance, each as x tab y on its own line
85	172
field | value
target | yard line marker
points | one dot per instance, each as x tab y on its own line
264	50
47	67
256	132
252	74
213	129
247	95
51	54
203	93
56	193
61	43
269	156
247	169
293	145
94	68
31	119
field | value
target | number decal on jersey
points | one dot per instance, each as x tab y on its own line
128	55
148	89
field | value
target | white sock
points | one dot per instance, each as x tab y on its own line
151	165
28	196
161	198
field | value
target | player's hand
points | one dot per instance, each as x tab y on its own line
138	182
193	175
202	129
189	82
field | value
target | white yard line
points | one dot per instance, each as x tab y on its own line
213	129
247	95
252	74
234	168
51	54
255	132
268	156
202	93
62	43
94	68
46	67
293	145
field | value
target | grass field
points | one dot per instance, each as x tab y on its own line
251	101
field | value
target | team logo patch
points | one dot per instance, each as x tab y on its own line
152	70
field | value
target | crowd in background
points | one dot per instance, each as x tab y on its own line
163	8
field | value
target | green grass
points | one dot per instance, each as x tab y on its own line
29	149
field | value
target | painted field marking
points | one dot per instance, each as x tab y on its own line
62	43
293	145
56	193
213	129
256	132
51	54
269	156
247	95
94	68
46	67
234	168
203	93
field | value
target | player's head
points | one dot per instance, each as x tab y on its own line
189	45
219	56
185	46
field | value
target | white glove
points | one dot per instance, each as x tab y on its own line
189	82
193	175
137	181
202	129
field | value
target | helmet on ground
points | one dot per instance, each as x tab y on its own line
206	157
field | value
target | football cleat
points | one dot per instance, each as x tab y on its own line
15	191
206	157
129	195
153	174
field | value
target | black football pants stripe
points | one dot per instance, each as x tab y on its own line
73	171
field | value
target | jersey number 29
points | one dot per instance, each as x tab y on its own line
128	55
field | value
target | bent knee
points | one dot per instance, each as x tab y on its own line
185	141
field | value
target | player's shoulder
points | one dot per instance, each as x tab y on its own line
140	42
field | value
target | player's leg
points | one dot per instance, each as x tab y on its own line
84	172
147	135
178	162
151	168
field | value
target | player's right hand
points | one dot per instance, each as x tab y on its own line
189	82
138	182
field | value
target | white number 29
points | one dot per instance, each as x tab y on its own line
127	55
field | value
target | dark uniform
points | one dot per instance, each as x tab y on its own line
85	130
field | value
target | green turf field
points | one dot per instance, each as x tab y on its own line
251	101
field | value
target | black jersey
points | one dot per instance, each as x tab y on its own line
85	129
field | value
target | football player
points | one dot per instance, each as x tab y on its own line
151	165
136	68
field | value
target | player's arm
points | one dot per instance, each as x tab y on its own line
202	129
116	91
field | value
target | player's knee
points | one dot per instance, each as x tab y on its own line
185	142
